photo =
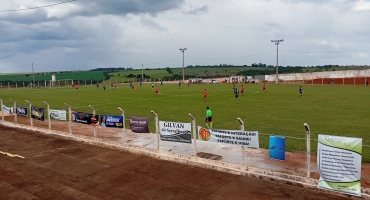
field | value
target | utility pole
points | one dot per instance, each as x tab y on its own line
183	70
142	72
277	42
33	77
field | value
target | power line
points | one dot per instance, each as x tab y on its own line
37	7
326	51
229	58
15	66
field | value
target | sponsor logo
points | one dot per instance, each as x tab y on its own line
204	134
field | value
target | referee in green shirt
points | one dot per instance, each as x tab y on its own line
208	118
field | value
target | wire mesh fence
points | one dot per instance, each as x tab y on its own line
295	163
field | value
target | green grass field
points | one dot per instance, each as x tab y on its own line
334	110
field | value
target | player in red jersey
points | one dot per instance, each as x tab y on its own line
205	94
242	90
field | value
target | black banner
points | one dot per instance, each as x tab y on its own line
21	111
84	118
139	124
37	113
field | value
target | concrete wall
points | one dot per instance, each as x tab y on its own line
316	75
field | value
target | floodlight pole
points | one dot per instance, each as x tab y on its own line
308	138
93	109
242	147
2	110
124	126
14	110
183	67
142	73
30	111
156	128
49	121
277	42
194	134
70	120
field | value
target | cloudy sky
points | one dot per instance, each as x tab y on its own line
87	34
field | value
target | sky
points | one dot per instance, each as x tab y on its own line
88	34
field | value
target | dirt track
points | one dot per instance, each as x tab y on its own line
56	168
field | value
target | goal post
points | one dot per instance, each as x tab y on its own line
61	83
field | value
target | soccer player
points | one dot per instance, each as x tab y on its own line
234	89
115	85
209	118
242	90
179	84
300	91
205	94
264	87
152	85
97	85
104	86
236	94
161	83
132	86
156	90
188	83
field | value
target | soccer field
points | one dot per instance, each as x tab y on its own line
335	110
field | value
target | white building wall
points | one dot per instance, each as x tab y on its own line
316	75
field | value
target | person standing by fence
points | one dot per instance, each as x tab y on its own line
209	118
264	87
300	91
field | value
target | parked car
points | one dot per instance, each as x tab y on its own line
214	81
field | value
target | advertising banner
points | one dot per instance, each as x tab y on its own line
8	110
234	137
175	131
139	124
111	121
37	113
277	147
22	111
58	114
84	118
339	164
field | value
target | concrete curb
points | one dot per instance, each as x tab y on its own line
304	182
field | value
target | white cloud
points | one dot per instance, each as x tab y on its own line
124	33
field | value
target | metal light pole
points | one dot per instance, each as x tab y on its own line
194	134
94	112
142	73
183	71
277	42
70	120
49	120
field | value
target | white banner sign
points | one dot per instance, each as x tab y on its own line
175	131
58	114
339	163
234	137
8	110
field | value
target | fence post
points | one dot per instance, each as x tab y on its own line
242	147
156	128
14	110
194	135
93	109
49	121
30	111
2	110
308	133
70	120
124	125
